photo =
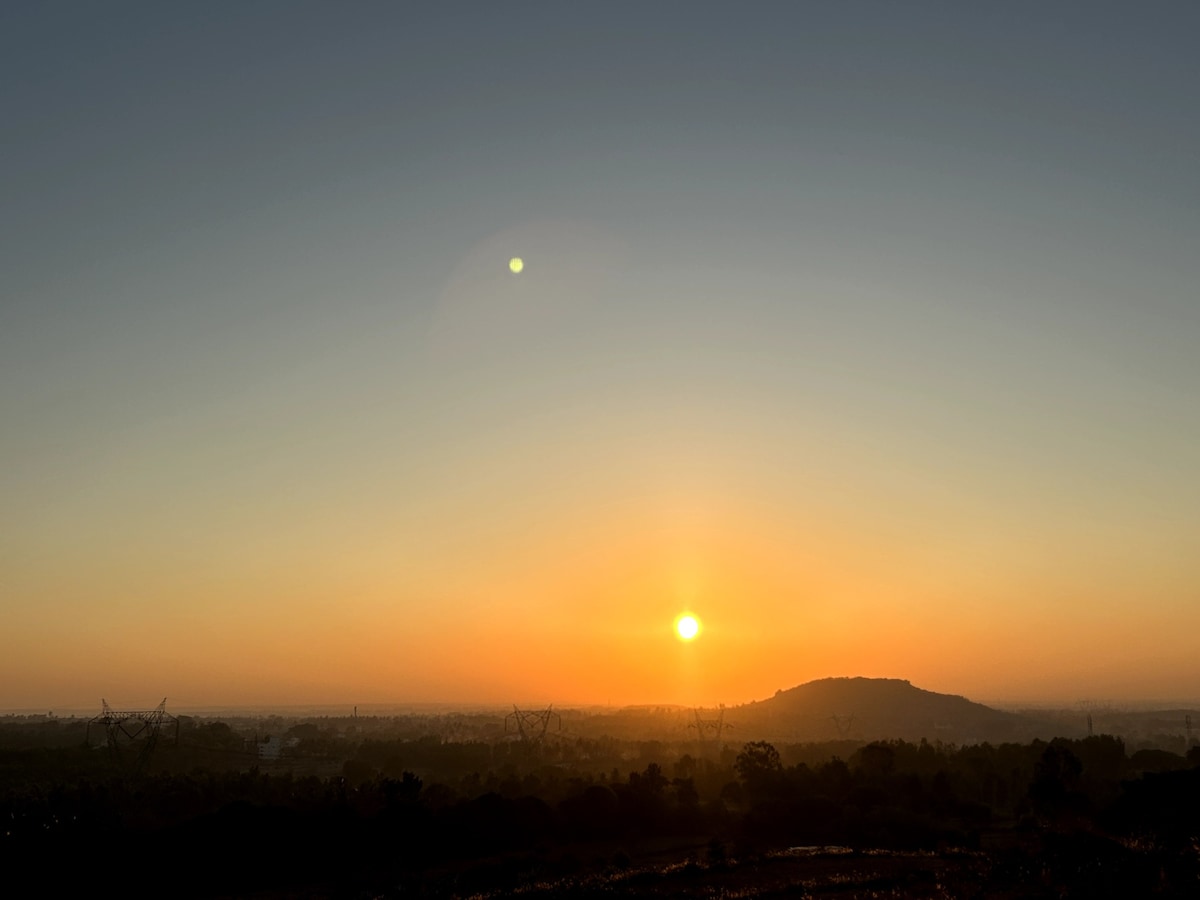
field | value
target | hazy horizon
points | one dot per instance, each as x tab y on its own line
400	706
865	333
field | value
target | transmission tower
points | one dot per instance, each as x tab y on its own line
843	723
531	725
1187	726
706	728
132	733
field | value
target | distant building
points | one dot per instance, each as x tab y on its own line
271	748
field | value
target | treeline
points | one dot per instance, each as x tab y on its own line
460	817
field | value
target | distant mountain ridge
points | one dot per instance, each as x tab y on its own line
877	708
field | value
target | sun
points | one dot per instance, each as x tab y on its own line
515	265
687	627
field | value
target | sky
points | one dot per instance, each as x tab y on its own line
866	332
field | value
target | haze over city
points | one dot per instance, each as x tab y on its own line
864	333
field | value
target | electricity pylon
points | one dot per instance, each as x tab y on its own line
531	725
130	730
843	723
709	727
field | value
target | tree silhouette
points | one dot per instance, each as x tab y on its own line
759	768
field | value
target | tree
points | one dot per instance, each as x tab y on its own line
653	779
1055	778
759	768
757	758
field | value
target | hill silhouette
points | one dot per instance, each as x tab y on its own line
878	708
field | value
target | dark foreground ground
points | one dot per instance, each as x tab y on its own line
425	817
1063	867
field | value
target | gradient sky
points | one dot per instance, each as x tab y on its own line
869	332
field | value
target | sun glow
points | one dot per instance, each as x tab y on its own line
687	627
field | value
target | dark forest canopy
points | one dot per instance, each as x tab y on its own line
446	817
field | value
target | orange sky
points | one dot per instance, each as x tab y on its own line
570	599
